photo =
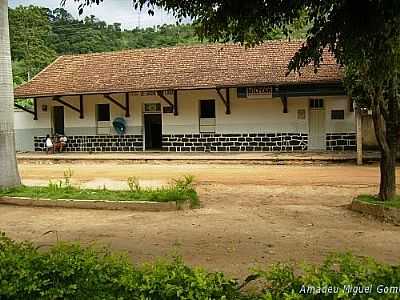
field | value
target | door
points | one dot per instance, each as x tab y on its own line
58	120
152	131
316	138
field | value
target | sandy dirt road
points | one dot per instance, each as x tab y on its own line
252	215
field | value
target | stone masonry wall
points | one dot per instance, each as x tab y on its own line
97	143
214	142
341	141
202	142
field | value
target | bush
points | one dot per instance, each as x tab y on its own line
70	271
347	277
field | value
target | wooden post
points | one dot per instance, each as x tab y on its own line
81	116
175	102
359	137
127	107
35	109
228	102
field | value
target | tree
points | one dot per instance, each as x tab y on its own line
8	163
29	33
363	34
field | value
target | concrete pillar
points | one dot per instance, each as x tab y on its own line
359	136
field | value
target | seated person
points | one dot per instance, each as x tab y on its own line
57	143
49	145
63	142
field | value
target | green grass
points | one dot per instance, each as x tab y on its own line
375	200
180	191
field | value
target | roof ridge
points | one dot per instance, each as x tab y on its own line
181	46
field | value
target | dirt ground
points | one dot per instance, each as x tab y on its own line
252	215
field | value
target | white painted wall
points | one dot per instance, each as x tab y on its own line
247	115
346	125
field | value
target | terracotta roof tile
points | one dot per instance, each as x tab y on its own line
183	67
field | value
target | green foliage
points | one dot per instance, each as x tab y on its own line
38	35
376	200
29	36
344	272
179	191
70	271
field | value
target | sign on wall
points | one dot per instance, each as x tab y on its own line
153	93
255	92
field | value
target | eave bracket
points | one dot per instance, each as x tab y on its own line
63	102
284	100
123	107
32	112
226	100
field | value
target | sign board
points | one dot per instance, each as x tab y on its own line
255	92
152	107
259	92
153	93
168	109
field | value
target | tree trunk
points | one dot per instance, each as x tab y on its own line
387	188
9	175
386	130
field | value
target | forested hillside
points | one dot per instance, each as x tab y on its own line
39	35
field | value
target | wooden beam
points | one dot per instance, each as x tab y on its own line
127	111
161	95
284	100
81	116
351	108
35	109
59	100
24	109
226	101
112	100
175	102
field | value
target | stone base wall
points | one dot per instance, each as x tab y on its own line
212	142
97	143
215	142
341	141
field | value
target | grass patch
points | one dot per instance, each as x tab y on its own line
180	190
375	200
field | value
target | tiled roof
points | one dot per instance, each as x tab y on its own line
183	67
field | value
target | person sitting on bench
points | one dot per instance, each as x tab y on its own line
49	145
63	142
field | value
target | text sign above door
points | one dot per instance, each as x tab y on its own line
255	92
259	92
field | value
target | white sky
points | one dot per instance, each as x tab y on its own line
110	11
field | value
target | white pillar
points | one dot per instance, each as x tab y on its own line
359	136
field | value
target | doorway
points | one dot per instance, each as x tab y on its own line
316	140
58	120
153	131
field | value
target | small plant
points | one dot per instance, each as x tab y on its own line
133	183
184	183
67	176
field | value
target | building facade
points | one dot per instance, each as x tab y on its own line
185	109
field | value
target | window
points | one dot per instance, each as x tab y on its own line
316	103
207	108
152	107
103	112
337	114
